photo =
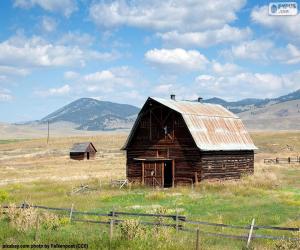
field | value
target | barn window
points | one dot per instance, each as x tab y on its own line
166	130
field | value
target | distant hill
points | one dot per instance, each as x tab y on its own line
251	103
91	114
278	116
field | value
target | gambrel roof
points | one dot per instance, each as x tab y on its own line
212	126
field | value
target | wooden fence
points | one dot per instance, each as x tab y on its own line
288	160
178	222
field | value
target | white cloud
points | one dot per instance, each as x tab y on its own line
206	38
99	76
176	59
71	75
103	83
66	7
225	69
257	50
263	51
5	95
288	55
163	89
48	24
205	78
36	52
60	91
286	26
77	38
7	70
107	81
188	15
258	85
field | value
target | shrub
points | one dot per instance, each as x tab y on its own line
26	219
287	245
21	219
49	221
4	196
131	229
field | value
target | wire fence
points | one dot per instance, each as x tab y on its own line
178	222
278	160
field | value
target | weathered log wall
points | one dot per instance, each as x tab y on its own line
226	165
81	156
77	156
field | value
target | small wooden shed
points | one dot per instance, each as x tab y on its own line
182	141
83	150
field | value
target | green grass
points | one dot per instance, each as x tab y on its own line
12	141
228	202
271	196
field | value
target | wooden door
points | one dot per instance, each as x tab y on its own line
153	174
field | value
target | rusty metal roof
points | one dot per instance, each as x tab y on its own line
196	108
212	126
81	147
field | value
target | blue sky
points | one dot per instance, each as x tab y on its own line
55	51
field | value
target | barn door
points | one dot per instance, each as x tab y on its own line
153	174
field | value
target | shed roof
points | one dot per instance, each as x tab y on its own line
81	147
212	126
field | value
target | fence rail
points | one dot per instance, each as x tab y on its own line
181	223
278	160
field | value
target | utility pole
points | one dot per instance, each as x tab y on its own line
48	132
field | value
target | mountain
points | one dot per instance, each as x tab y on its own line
252	103
278	116
91	114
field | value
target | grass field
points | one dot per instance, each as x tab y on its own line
43	174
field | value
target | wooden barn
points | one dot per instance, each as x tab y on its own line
175	142
83	150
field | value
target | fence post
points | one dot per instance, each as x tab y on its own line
177	220
111	226
36	227
277	160
289	160
197	239
111	231
250	232
71	213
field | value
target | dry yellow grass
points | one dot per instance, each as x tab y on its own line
271	195
33	160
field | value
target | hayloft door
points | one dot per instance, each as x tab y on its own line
153	174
